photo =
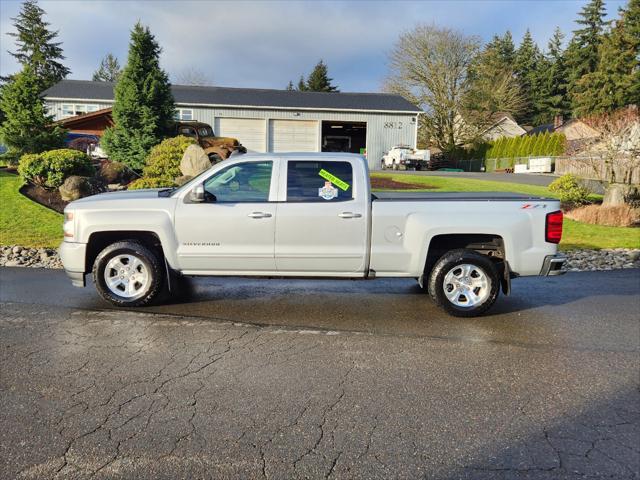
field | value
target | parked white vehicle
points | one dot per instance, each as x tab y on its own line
403	158
309	215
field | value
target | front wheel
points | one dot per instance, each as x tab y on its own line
464	283
128	274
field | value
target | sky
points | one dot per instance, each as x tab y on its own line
264	44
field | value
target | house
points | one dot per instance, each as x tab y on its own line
574	130
94	123
264	120
504	125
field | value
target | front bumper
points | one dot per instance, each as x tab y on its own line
73	257
552	265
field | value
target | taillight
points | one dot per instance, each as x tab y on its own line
553	228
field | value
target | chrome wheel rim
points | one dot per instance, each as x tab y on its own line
466	285
127	276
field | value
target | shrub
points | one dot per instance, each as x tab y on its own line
150	182
50	169
164	159
570	190
616	216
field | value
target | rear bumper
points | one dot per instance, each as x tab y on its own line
73	257
552	265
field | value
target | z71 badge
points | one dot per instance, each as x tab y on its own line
328	192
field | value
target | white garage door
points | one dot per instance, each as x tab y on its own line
250	132
293	136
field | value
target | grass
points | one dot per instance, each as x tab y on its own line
24	222
575	235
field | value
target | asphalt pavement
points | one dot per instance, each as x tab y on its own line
246	378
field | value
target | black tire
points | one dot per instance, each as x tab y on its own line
446	264
151	262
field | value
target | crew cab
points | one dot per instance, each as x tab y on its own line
309	215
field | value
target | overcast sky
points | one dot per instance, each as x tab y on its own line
265	44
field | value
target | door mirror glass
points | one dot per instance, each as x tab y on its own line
197	194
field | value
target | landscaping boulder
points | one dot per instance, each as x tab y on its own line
179	181
116	172
194	161
75	187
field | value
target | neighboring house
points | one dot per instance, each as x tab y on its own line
574	129
94	123
504	126
269	120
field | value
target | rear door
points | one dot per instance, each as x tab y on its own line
321	225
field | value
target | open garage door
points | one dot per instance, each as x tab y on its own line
349	137
293	135
250	132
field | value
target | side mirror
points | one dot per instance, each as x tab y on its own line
197	194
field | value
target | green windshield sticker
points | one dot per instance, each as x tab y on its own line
333	179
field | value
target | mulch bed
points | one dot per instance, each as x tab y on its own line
48	198
383	182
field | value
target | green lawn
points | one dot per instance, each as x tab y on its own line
23	222
575	235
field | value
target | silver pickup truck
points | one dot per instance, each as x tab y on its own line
309	215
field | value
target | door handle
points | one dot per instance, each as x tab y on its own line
259	215
349	215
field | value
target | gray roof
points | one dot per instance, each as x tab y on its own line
244	97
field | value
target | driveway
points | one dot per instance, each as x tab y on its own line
522	178
319	379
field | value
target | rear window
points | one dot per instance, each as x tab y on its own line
319	181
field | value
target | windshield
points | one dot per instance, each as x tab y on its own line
195	180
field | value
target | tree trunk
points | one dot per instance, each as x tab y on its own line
619	194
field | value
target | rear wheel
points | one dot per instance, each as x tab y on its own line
464	283
128	274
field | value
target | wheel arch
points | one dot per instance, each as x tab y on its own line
98	241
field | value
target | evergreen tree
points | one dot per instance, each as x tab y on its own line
319	80
615	83
302	85
36	47
507	48
290	86
582	53
552	87
143	109
527	69
27	127
109	69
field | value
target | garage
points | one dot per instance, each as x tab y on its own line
265	120
348	137
293	136
252	131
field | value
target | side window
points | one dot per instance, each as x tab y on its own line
319	181
244	182
188	131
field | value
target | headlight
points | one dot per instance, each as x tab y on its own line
68	227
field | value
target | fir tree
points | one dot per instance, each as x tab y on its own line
27	127
109	69
614	84
290	86
143	108
527	70
552	87
302	85
582	53
36	47
319	80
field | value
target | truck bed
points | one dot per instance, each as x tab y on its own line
396	196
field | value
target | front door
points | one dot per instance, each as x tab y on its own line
321	226
233	230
